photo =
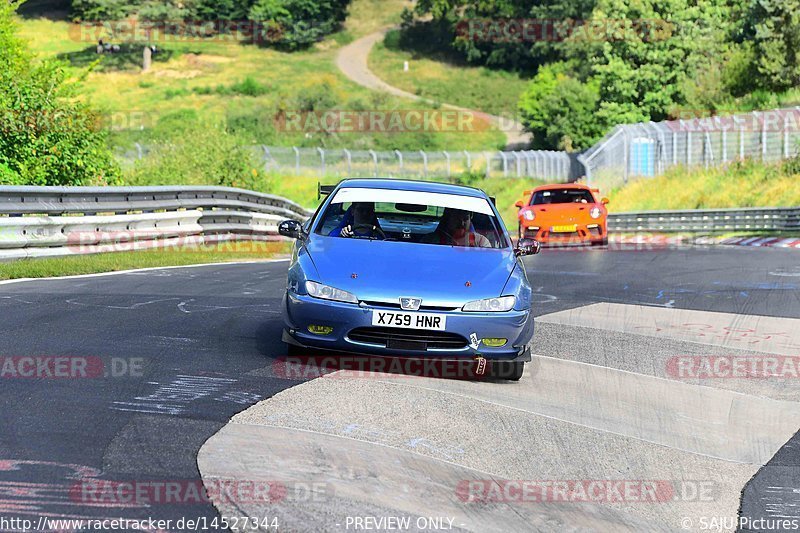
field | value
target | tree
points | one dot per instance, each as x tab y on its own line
46	137
774	26
560	110
299	23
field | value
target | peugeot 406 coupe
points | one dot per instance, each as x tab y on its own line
402	268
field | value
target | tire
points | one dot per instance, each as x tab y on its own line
604	242
510	371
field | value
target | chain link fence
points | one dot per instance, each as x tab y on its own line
544	165
648	149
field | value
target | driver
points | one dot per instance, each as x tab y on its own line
455	229
359	221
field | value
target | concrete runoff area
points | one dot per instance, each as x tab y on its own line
401	446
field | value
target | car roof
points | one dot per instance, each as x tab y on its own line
412	185
562	186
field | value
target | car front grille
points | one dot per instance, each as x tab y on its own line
392	305
410	339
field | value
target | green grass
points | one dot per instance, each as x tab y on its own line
111	262
748	184
215	77
492	91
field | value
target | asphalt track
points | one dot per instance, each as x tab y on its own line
206	339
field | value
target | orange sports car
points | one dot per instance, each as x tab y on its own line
563	214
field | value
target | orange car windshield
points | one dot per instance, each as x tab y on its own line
562	196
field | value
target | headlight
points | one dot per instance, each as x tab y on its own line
529	215
491	305
318	290
595	212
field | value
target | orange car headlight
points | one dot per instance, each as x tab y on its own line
529	215
596	212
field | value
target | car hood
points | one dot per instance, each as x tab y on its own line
381	271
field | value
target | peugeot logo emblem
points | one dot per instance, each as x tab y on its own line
410	304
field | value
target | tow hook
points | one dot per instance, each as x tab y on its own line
481	368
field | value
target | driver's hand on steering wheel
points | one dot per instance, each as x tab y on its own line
347	231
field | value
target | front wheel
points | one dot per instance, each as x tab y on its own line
510	371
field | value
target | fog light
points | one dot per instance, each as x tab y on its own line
320	330
495	343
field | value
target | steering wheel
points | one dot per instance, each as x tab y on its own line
366	228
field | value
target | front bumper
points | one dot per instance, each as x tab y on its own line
300	311
594	232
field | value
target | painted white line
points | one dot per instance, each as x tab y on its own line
137	270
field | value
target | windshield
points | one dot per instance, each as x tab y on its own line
562	196
423	218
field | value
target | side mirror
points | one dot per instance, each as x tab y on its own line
527	247
292	229
518	204
604	201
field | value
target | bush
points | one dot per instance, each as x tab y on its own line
46	136
207	154
300	23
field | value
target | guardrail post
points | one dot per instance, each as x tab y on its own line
296	159
139	151
488	164
469	160
424	163
349	157
399	160
322	161
528	163
374	160
447	157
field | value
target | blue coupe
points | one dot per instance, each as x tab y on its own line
414	269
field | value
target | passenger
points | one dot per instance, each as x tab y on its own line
455	229
359	221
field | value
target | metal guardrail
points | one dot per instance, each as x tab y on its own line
708	221
52	221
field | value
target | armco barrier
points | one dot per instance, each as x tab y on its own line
754	219
50	221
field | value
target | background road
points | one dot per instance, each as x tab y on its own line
206	338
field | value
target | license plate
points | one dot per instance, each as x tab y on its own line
564	229
396	319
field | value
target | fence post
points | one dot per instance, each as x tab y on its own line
424	163
349	161
374	160
399	160
469	160
488	164
724	145
505	164
528	163
296	159
519	163
267	157
322	161
674	148
763	137
447	156
785	137
688	148
139	151
626	155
